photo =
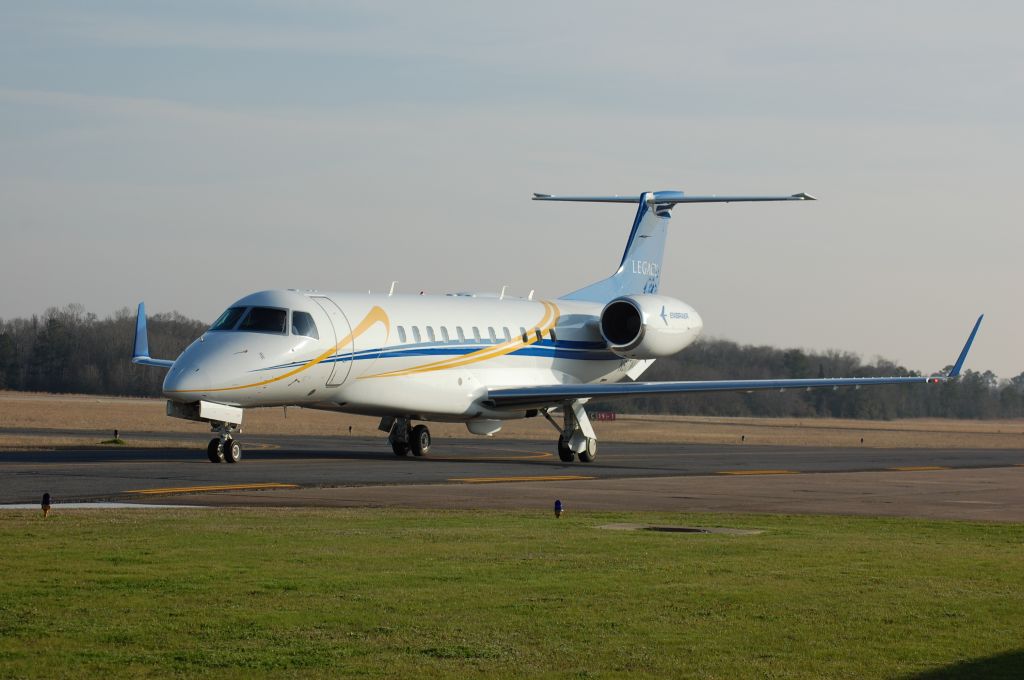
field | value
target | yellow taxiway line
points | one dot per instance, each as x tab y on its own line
918	468
495	480
758	472
529	455
223	487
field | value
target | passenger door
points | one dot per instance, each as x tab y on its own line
341	359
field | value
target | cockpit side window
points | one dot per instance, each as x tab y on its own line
264	320
228	319
302	324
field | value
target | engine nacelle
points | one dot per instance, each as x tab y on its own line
648	326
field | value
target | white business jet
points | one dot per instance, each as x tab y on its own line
461	357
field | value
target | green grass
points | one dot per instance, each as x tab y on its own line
323	593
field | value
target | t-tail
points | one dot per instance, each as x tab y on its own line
639	271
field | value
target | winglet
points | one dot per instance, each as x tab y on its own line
141	348
140	351
955	371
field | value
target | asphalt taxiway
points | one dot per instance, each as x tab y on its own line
307	470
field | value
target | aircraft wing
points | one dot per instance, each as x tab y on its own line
547	395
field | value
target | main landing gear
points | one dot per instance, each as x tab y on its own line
576	435
404	438
224	447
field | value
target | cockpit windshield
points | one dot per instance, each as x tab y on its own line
253	319
228	319
265	320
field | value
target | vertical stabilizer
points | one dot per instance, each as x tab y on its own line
640	268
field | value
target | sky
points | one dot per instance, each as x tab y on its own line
188	153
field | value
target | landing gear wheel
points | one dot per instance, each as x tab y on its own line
400	448
590	453
214	452
564	452
420	440
232	451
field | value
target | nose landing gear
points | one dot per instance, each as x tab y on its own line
224	449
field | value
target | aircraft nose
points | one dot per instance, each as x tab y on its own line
183	383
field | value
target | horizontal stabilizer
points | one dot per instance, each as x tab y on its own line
671	198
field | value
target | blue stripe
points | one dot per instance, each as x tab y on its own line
562	349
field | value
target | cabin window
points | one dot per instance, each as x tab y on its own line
508	336
228	319
416	334
552	334
444	334
462	336
264	320
540	337
302	324
430	333
401	334
476	334
491	335
526	338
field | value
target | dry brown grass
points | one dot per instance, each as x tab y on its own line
104	414
10	442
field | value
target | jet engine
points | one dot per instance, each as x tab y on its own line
648	326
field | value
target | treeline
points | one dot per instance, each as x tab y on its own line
70	350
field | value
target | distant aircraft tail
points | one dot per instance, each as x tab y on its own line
639	271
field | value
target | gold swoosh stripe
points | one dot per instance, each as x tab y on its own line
547	322
375	315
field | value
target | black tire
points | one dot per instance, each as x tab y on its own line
232	451
420	440
590	452
214	452
400	448
564	452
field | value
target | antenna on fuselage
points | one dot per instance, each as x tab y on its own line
501	296
392	291
530	296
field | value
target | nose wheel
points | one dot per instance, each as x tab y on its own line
232	451
228	451
214	452
224	449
